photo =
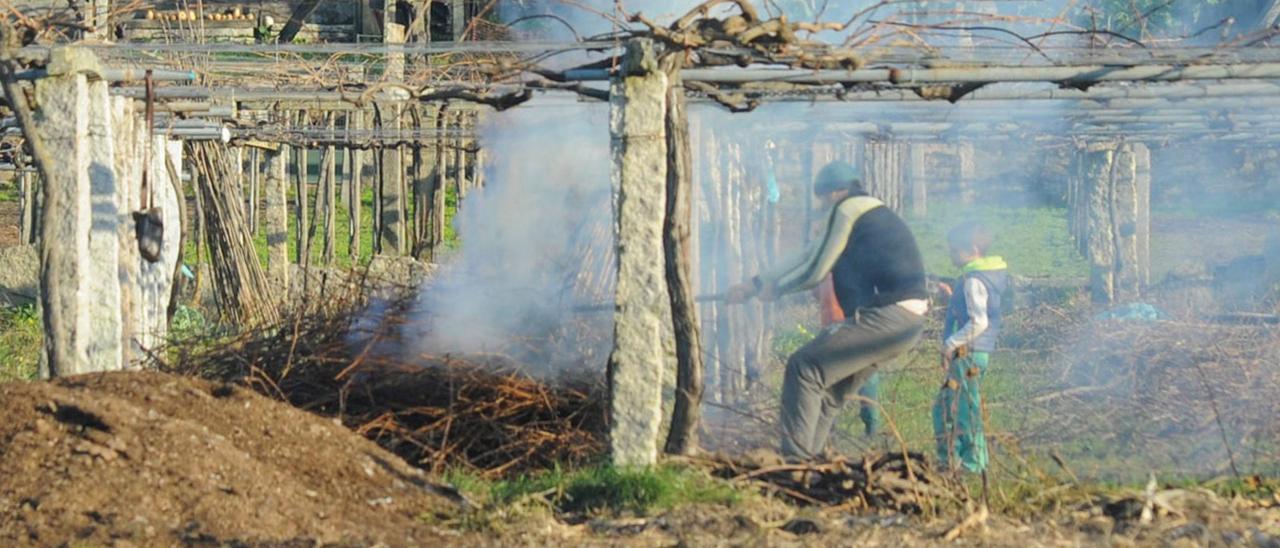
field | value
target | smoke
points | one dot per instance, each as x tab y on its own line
535	243
533	277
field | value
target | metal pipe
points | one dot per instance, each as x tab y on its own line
38	52
916	76
197	133
138	75
1177	91
1173	91
121	75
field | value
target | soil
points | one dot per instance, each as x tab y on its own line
10	217
144	458
154	459
1193	519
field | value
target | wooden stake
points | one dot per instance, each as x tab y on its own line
459	165
683	436
300	201
330	200
355	169
344	188
255	182
440	181
27	204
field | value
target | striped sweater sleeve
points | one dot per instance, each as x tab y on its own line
807	268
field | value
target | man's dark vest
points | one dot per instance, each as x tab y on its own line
881	264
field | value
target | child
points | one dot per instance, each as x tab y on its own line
970	330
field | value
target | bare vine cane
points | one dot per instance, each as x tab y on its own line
148	222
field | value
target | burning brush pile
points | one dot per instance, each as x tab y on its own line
1202	395
479	413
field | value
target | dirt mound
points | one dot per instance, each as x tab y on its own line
157	459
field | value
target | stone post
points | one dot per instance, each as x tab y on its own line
1142	183
1110	206
80	284
96	14
131	142
276	210
1098	244
636	123
393	36
391	185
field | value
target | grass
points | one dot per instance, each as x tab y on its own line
1034	241
21	342
9	192
604	488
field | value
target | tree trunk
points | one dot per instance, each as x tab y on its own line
683	436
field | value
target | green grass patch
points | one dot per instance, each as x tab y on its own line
21	342
1034	241
603	488
9	192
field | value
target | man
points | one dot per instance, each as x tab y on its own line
829	313
879	281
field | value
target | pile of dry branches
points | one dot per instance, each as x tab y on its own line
456	412
1202	393
477	413
898	481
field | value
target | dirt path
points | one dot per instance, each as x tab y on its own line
10	217
157	459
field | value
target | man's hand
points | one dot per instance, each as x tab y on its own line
740	293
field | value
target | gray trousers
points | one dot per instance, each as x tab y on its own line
822	375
